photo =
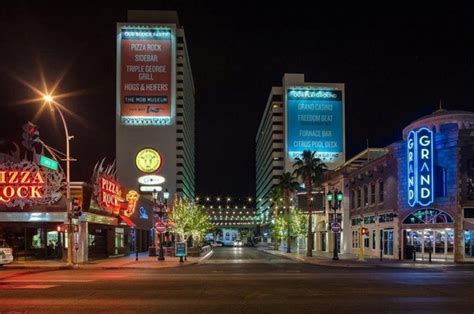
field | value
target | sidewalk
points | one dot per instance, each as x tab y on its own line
350	260
128	262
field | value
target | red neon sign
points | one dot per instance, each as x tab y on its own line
110	194
16	184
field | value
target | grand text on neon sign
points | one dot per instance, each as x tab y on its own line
420	167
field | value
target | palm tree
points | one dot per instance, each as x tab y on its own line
275	196
311	171
288	185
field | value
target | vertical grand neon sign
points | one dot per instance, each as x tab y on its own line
420	167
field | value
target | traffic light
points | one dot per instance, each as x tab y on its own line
364	230
61	228
30	135
76	208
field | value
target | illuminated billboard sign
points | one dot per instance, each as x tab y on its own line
148	160
145	81
420	167
25	183
110	194
315	122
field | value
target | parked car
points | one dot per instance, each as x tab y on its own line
6	253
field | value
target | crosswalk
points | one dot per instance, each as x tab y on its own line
248	261
48	280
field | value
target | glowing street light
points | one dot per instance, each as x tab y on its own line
50	100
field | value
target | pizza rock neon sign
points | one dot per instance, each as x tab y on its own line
110	194
25	183
420	167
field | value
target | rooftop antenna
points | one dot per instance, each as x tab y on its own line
440	105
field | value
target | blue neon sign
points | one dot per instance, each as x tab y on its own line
315	122
143	214
420	163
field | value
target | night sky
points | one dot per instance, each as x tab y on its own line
396	68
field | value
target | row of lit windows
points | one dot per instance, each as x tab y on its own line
360	197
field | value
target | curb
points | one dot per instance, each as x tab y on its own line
352	265
40	268
317	262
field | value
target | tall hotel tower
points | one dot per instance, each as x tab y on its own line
155	102
298	116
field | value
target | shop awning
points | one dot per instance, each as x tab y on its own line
128	221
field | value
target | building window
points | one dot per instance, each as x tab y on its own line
355	239
356	221
373	239
381	192
366	195
359	198
353	203
372	193
366	241
468	212
440	182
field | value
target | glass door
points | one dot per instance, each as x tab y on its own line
388	242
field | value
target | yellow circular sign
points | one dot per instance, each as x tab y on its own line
148	160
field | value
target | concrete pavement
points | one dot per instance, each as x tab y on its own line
350	261
238	280
129	262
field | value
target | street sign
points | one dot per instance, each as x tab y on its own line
150	188
48	162
151	180
180	249
160	227
336	227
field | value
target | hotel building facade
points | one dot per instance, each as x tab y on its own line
155	102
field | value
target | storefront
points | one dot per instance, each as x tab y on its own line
32	207
435	180
428	231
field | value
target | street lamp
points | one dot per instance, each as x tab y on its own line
152	249
162	214
49	99
335	206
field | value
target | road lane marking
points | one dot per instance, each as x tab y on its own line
8	287
48	280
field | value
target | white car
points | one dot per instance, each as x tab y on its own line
6	253
238	243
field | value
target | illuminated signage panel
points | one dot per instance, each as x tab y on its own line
146	70
420	162
25	183
110	194
411	167
148	160
132	199
315	122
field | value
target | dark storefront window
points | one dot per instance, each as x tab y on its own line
35	241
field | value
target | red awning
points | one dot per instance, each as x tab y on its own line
128	221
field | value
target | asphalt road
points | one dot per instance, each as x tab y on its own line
239	280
